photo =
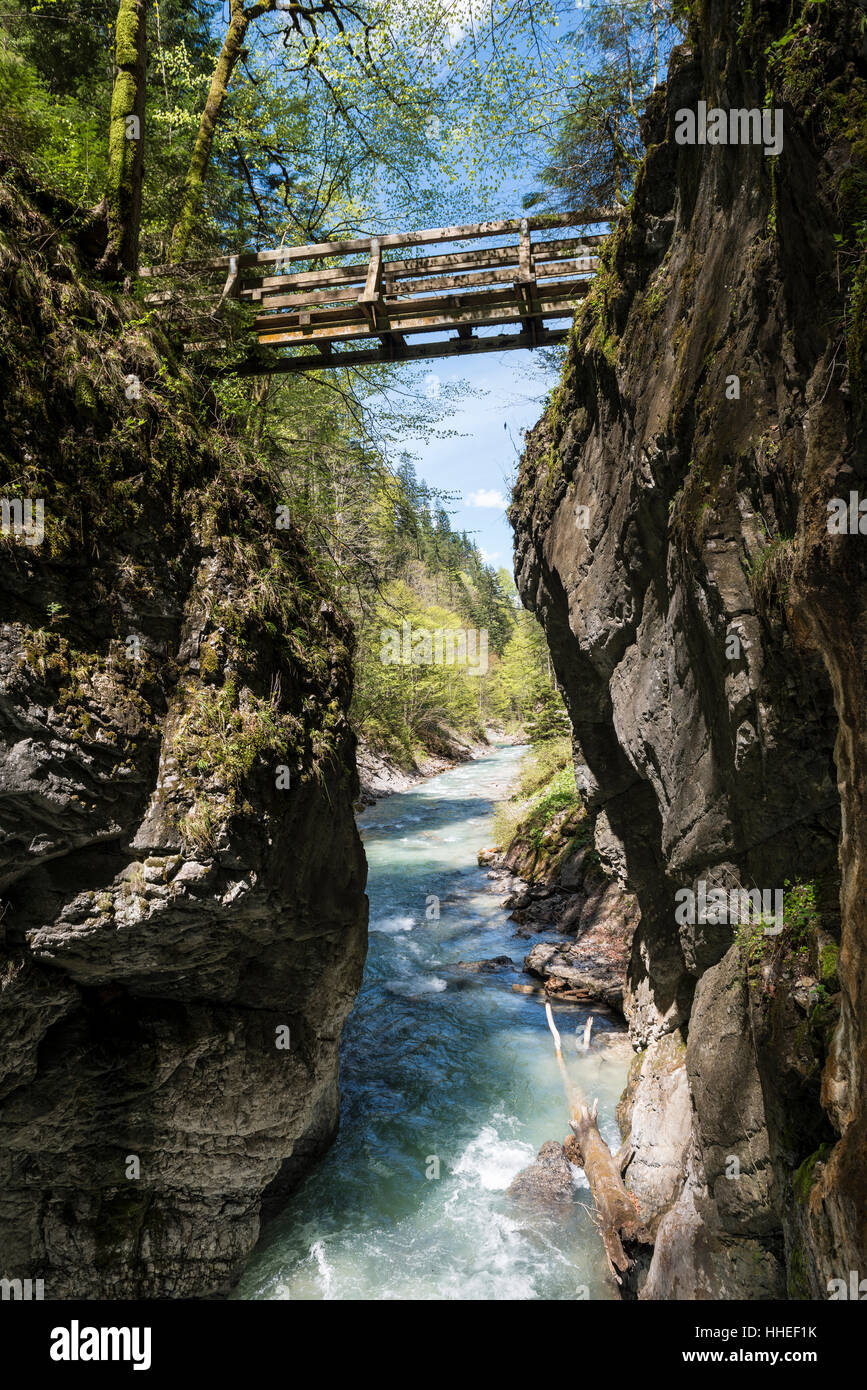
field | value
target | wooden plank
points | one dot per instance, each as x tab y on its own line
373	281
319	250
370	298
509	311
455	261
345	332
164	297
437	282
485	294
525	284
584	266
467	231
401	309
455	347
525	259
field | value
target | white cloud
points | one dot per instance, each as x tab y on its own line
486	497
490	557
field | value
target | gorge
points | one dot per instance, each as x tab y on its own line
229	585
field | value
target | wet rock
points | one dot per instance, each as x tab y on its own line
572	1151
486	966
548	1179
594	965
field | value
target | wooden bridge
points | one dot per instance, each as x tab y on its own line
383	303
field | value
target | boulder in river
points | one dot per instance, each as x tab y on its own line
547	1179
487	966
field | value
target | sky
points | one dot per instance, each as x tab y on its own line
505	396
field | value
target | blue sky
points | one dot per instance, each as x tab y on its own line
504	389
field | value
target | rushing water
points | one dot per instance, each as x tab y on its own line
441	1064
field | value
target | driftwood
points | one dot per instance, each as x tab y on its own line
617	1211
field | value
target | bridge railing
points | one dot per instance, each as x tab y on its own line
383	301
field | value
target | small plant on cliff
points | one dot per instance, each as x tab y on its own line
768	574
221	736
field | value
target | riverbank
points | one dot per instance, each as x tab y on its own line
381	775
568	881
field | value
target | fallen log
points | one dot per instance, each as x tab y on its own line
617	1211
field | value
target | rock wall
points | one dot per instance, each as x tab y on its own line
183	913
708	634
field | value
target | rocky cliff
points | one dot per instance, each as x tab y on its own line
183	913
708	631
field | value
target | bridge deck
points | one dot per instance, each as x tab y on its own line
383	303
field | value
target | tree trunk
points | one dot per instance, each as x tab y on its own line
194	183
617	1210
126	140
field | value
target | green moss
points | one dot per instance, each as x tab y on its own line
828	957
652	301
798	1285
802	1180
856	336
209	657
801	917
559	795
199	826
594	324
545	818
836	111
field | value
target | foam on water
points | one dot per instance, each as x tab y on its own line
400	922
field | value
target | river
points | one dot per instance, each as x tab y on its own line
443	1072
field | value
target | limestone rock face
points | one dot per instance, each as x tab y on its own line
183	913
708	634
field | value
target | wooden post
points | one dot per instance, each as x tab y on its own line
371	296
526	283
232	285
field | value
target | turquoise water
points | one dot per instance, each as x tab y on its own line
443	1071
